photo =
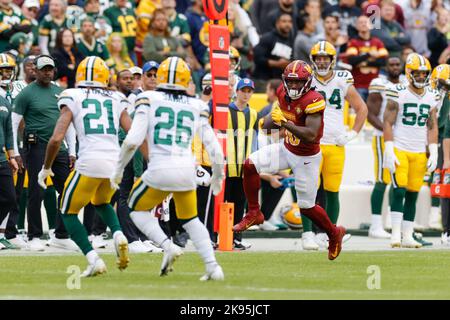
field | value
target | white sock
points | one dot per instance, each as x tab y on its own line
396	219
92	256
117	233
376	222
200	237
149	225
407	228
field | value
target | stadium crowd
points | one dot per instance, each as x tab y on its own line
43	41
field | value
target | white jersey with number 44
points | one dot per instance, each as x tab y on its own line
96	118
410	127
333	91
173	120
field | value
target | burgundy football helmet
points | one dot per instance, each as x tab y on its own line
297	79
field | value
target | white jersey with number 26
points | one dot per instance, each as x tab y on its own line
173	120
96	118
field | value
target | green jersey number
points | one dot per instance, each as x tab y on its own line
335	98
410	117
89	126
169	124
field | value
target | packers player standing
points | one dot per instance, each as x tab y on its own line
335	86
440	80
169	118
409	126
96	114
376	103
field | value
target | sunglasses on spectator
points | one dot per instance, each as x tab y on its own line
150	74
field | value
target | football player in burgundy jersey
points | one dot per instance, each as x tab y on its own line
299	110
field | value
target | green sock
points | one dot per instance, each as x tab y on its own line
435	202
409	210
306	222
77	232
50	204
109	217
294	194
376	199
22	207
332	207
397	202
391	195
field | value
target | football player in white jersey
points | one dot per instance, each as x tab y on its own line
409	126
96	114
336	86
376	102
169	118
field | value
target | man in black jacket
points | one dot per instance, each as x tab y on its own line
273	52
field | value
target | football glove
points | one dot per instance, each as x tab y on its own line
277	116
389	158
343	139
116	178
217	178
433	158
203	178
42	177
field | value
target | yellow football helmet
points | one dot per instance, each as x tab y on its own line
7	69
235	58
173	74
323	48
290	215
440	78
417	62
92	72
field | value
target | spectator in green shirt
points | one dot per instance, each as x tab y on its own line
87	44
159	44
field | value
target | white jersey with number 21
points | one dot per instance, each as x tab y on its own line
96	118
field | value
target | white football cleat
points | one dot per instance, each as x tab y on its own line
396	238
322	239
308	242
138	247
445	239
92	270
98	242
66	244
19	242
267	226
214	272
169	258
35	244
409	242
378	233
152	248
121	245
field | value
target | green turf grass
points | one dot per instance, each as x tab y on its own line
411	274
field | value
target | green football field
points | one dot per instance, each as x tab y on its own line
249	275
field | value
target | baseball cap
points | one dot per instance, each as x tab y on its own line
245	82
31	3
43	61
135	70
149	65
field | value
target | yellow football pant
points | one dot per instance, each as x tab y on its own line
411	170
332	166
80	190
381	174
144	198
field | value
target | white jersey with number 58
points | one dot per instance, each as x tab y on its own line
410	127
96	118
173	120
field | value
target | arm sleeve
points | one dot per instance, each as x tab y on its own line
211	144
9	137
71	139
15	118
376	86
261	52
